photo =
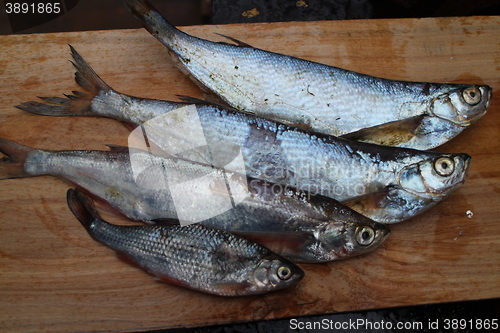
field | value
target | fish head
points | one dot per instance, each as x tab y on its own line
462	106
274	272
344	239
436	177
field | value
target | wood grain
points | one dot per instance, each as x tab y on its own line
54	277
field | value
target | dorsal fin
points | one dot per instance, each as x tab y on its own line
199	101
389	134
236	41
118	148
193	100
166	221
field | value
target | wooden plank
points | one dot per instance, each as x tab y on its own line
53	276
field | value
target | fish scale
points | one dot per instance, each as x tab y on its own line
170	243
299	227
369	178
318	97
194	256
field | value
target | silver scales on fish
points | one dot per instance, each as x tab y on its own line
391	184
317	97
386	184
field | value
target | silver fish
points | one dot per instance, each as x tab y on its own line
289	222
334	167
309	228
193	256
321	98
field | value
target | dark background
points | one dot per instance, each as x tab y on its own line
82	15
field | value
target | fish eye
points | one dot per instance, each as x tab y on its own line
365	235
284	273
444	166
472	95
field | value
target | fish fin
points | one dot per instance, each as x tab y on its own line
368	202
193	100
389	134
82	206
213	98
230	288
390	205
12	165
78	104
236	41
155	24
138	7
171	280
278	241
215	102
129	125
166	221
128	259
85	75
155	150
126	149
118	148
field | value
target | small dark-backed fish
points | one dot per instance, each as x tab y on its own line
300	227
368	177
196	257
289	222
321	98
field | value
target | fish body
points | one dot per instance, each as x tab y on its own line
317	97
324	165
193	256
297	226
310	228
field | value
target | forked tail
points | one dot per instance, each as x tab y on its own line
12	165
79	104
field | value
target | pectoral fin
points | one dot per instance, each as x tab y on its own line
391	205
389	134
279	242
231	288
211	100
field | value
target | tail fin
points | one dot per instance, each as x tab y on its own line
78	104
85	75
152	20
12	165
139	8
82	206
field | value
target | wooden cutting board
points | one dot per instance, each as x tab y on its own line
54	277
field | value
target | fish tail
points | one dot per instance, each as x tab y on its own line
12	165
152	20
78	104
82	206
85	75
